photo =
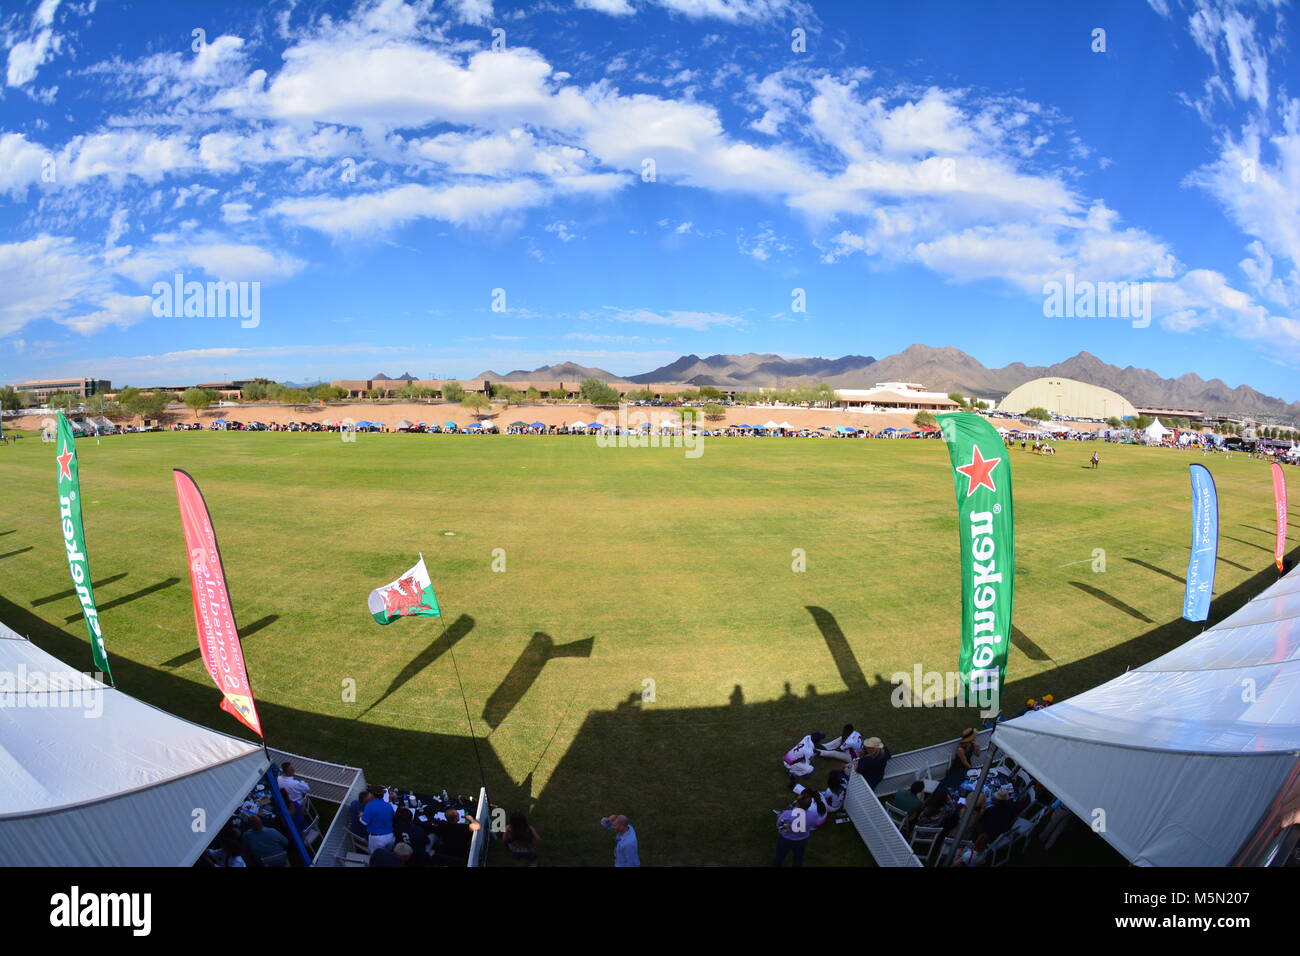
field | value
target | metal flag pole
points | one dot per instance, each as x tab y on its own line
451	650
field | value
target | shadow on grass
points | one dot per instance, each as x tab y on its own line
1151	567
734	749
525	671
245	633
420	759
128	598
642	759
72	592
10	554
441	645
1114	602
1249	544
850	673
1027	647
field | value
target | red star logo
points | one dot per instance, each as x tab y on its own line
64	461
979	471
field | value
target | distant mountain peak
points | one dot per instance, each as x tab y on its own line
941	368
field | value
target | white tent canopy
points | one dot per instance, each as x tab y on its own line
92	777
1194	758
1155	431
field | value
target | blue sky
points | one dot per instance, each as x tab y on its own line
919	170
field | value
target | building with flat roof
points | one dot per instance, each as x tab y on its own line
895	397
1195	414
357	387
41	389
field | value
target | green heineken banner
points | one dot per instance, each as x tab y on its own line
981	473
74	541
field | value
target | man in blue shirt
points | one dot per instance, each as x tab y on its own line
625	847
378	820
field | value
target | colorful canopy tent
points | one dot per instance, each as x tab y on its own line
1194	757
118	789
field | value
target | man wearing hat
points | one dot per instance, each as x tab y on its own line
997	819
872	762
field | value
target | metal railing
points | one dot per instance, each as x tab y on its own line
478	845
882	837
334	783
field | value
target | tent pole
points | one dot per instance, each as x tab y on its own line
973	798
278	797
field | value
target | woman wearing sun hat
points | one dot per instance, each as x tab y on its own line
963	759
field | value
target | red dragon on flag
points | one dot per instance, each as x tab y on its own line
411	595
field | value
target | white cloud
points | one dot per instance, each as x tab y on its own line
21	163
695	321
236	212
616	8
370	213
121	311
731	11
80	286
477	12
42	277
28	56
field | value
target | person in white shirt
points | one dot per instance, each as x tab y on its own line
296	788
832	798
798	759
846	747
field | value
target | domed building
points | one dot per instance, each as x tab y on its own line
1068	398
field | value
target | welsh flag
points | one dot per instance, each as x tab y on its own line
411	595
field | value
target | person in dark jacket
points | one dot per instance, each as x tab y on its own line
872	762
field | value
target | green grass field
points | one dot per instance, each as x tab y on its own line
623	566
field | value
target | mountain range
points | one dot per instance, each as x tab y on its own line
941	369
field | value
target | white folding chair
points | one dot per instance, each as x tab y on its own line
359	844
897	814
923	840
999	851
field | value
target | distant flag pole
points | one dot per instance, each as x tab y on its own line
214	617
1279	505
74	542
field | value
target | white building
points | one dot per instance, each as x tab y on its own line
895	397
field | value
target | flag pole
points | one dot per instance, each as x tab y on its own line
468	719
